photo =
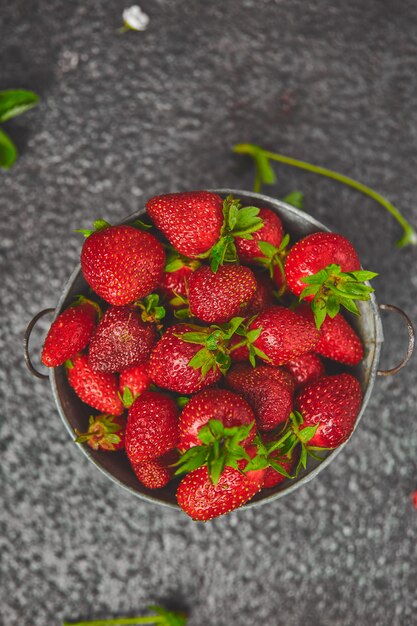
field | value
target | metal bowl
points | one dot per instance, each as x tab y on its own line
116	466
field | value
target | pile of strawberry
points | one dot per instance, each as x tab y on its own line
212	347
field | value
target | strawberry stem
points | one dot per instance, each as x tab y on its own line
151	619
163	617
260	156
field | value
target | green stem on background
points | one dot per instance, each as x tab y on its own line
149	619
409	236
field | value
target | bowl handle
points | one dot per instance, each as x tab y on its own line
411	339
26	336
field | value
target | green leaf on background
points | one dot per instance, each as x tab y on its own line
15	102
264	169
8	152
295	198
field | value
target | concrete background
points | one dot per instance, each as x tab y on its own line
124	117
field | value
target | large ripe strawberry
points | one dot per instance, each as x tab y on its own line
121	340
120	263
337	339
313	254
203	500
133	382
156	473
191	221
219	404
186	358
248	250
332	402
98	389
305	369
268	390
217	297
284	335
324	268
70	332
152	427
105	432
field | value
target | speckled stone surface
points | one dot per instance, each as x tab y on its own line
121	119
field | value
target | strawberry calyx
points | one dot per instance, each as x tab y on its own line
99	224
248	339
220	447
333	288
181	307
269	456
103	432
282	449
127	397
151	310
181	401
238	222
80	299
215	352
176	261
274	258
140	225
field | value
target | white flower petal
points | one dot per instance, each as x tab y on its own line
135	18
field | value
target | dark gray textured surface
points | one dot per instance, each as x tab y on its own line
123	118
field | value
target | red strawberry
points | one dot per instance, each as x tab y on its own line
325	269
268	390
263	297
305	369
174	280
248	249
122	264
135	379
314	253
202	500
152	427
156	474
70	332
173	283
191	221
98	389
217	297
122	340
169	365
105	432
219	404
334	403
337	339
284	335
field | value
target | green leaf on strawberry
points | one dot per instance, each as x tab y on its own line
214	340
237	222
220	447
333	288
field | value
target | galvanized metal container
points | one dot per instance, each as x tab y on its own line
115	465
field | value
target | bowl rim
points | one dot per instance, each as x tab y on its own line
290	487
